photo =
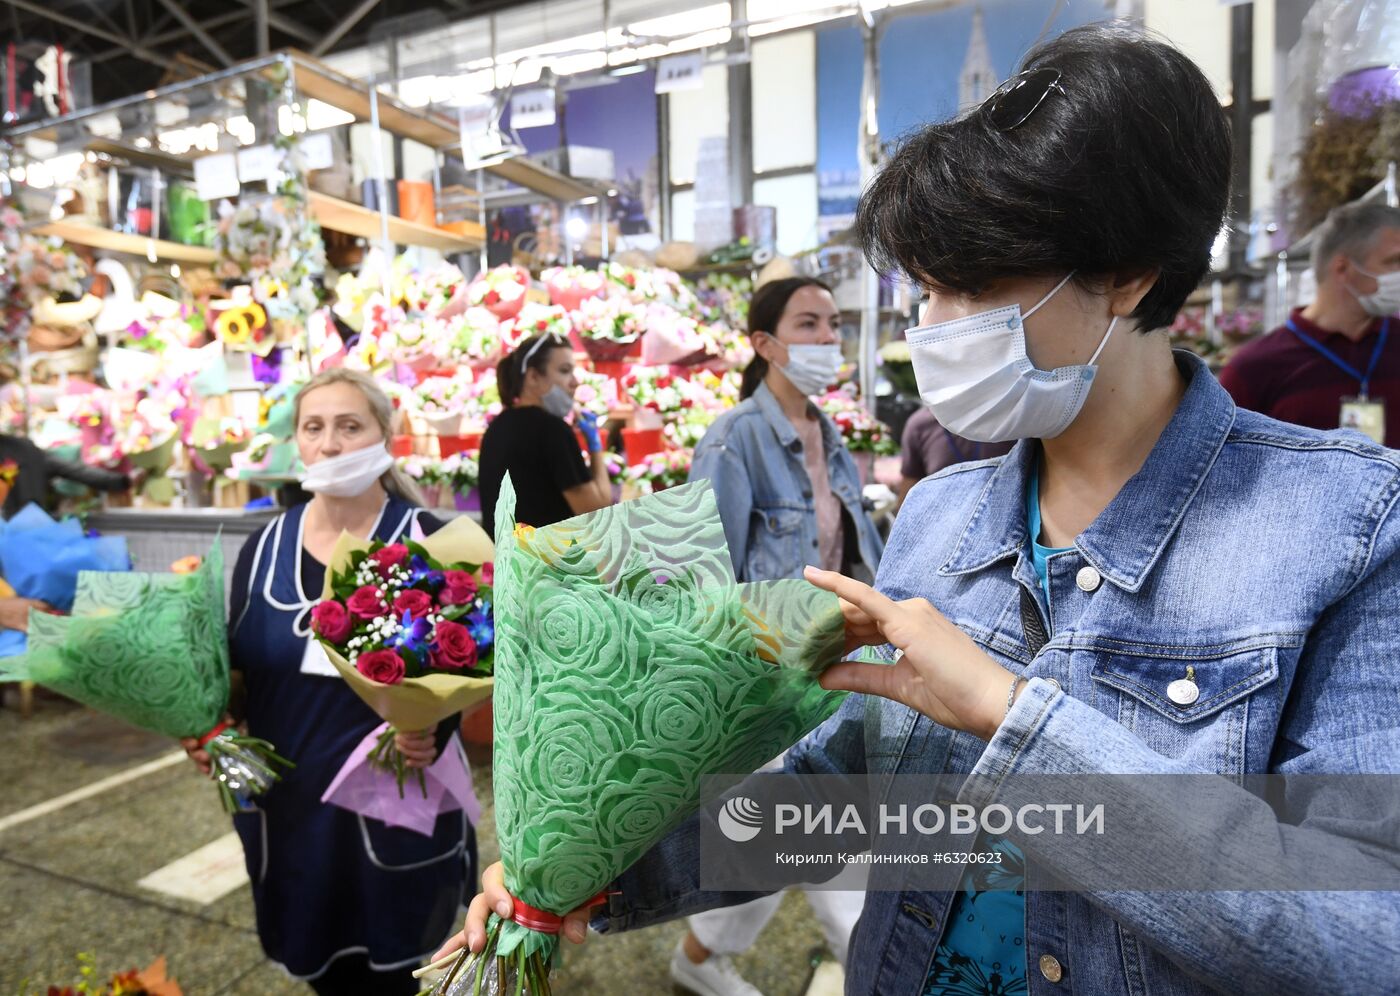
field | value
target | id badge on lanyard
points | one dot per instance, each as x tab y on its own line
1365	415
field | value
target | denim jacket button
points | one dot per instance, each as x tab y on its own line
1050	968
1088	579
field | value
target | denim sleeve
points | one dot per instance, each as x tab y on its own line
1343	717
665	883
724	467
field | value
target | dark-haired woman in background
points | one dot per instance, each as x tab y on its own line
531	441
788	491
1153	582
789	495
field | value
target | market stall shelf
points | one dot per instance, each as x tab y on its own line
136	245
352	219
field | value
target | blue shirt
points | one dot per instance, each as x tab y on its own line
983	951
1196	562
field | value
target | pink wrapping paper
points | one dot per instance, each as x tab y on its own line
371	792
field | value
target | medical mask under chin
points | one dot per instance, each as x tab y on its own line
975	376
1386	298
812	368
348	474
558	402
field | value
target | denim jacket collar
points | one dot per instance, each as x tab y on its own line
1128	537
782	425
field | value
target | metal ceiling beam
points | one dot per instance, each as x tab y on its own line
140	51
338	32
171	35
285	24
260	33
204	37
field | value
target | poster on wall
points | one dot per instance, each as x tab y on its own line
933	66
618	116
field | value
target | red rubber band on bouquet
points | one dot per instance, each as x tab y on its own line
214	732
544	921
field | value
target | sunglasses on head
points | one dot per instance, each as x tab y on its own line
1019	97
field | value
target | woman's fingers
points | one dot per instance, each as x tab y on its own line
870	679
576	925
493	887
875	605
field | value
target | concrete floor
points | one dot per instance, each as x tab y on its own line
70	877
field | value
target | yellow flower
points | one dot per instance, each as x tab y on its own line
186	565
524	533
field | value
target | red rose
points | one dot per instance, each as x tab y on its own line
488	573
541	325
630	280
663	382
687	402
331	622
459	579
418	603
367	603
455	647
389	556
383	666
492	297
457	596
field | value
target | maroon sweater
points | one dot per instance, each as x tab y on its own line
1284	377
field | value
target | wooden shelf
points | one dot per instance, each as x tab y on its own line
352	219
136	245
316	79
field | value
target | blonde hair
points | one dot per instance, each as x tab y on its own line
394	480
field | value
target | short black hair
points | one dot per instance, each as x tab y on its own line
1125	167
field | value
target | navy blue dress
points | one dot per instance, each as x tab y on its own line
328	882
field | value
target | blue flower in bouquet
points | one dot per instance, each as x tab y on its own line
413	635
481	625
420	571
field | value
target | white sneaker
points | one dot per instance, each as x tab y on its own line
715	976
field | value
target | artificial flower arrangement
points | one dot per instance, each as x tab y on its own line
675	338
411	627
609	327
861	431
500	290
475	336
724	299
152	650
659	471
46	268
481	402
427	292
629	282
537	319
570	286
271	243
597	393
438	401
656	389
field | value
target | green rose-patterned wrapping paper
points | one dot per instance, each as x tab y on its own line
151	649
629	665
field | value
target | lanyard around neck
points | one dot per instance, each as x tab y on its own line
1342	364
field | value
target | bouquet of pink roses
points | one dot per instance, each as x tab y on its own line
411	628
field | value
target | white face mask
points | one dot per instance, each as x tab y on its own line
975	375
349	474
812	368
558	402
1386	299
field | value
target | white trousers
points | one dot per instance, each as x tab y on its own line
733	929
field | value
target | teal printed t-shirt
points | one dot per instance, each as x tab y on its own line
983	951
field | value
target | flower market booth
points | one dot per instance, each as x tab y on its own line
176	264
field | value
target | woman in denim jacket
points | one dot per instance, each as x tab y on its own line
787	488
1152	582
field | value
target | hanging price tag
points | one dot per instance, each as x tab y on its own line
532	108
681	72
